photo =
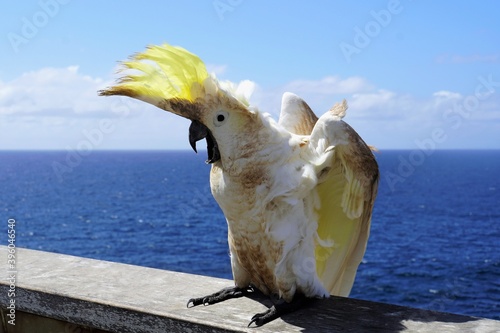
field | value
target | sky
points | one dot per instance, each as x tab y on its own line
416	74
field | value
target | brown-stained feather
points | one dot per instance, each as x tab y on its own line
305	125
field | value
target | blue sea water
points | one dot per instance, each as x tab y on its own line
434	242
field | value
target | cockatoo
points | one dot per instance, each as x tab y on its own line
297	194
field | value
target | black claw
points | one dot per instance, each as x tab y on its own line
277	310
195	301
265	317
220	296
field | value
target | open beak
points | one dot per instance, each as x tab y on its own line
197	132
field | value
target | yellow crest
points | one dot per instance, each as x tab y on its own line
163	72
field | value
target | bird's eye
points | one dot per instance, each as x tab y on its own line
220	118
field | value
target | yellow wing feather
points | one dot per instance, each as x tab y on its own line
346	195
337	229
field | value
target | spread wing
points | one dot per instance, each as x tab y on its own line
348	181
296	116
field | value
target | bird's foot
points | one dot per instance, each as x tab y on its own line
220	296
277	310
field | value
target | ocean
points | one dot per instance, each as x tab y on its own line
434	240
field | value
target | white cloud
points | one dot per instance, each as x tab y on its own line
319	94
61	92
389	119
216	69
373	100
330	85
55	107
445	95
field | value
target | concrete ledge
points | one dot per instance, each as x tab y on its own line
61	293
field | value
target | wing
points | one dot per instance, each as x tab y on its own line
296	116
348	181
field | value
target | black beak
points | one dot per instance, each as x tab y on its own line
197	132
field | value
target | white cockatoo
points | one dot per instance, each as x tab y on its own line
297	194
